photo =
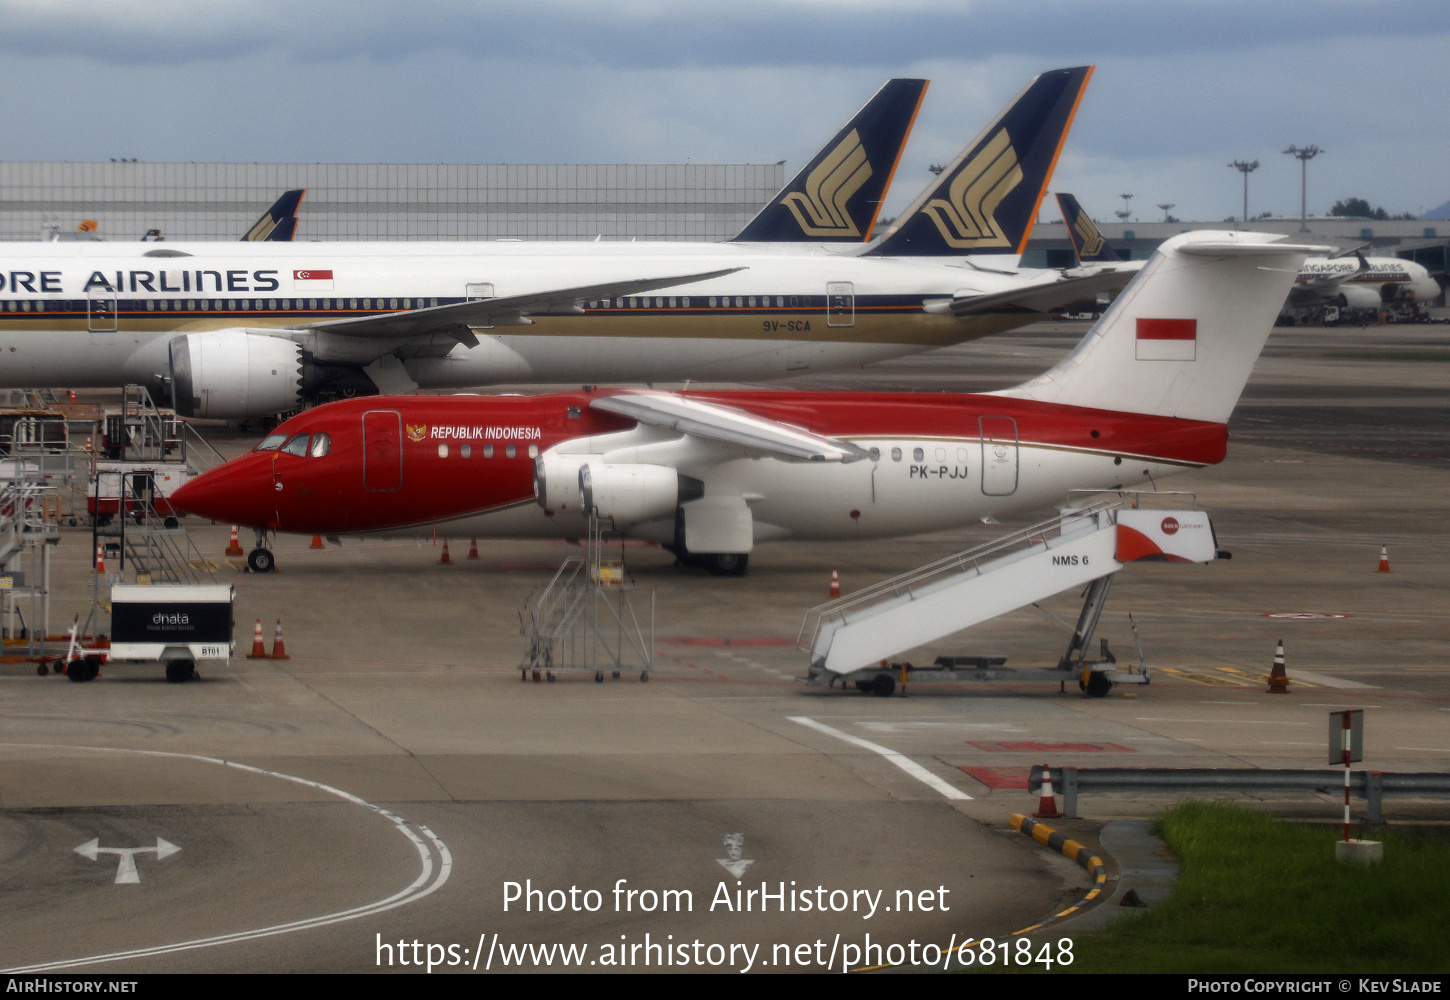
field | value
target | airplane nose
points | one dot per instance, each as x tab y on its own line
234	492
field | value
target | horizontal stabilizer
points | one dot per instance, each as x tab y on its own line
1047	297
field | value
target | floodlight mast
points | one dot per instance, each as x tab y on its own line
1303	156
1245	168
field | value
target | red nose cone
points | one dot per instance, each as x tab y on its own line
237	492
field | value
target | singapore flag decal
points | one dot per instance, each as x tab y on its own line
313	280
1167	339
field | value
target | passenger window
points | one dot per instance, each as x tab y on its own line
271	442
465	450
896	454
321	445
297	446
941	454
533	451
488	451
511	451
442	451
918	455
875	454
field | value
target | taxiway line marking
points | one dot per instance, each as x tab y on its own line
902	761
420	886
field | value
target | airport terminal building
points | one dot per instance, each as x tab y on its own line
388	201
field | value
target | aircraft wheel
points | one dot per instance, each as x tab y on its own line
643	676
883	685
599	677
180	670
726	563
615	674
260	561
42	670
1097	686
83	669
171	522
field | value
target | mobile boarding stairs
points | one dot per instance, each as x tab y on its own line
852	639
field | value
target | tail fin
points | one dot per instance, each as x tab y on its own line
987	200
1090	245
278	223
1181	339
838	194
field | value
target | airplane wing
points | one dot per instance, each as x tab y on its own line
728	424
1042	298
458	318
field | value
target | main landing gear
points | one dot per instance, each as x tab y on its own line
260	559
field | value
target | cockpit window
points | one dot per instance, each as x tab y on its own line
271	442
321	445
296	446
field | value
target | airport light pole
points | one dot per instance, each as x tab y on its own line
1165	210
1126	210
1245	168
1303	156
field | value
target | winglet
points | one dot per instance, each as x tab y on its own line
277	224
987	200
1090	245
837	196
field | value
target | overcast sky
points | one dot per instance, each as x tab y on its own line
1181	87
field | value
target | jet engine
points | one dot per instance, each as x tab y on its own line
556	481
629	494
1360	297
235	373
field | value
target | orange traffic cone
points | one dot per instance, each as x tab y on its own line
1384	559
317	542
279	651
1047	803
835	584
473	548
444	559
1278	678
100	558
89	446
234	547
259	647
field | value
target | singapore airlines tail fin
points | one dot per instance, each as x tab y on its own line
837	195
1181	339
1090	245
278	224
987	200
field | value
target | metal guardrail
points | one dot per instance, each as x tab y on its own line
1372	786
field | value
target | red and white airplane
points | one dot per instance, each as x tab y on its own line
1146	394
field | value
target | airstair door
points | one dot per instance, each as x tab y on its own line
382	450
999	456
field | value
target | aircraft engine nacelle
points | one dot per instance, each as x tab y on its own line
1359	296
234	373
629	494
556	481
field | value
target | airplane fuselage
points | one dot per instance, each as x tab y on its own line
459	466
105	314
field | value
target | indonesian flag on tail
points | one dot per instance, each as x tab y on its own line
1167	339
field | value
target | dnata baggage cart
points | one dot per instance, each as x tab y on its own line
177	624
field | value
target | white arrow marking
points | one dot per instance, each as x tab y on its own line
126	873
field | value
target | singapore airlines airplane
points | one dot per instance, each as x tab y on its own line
249	329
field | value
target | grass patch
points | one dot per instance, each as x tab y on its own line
1256	895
